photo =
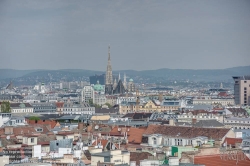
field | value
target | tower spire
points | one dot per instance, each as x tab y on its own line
109	77
109	54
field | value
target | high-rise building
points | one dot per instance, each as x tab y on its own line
88	93
242	90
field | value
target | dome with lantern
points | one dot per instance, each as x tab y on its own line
98	87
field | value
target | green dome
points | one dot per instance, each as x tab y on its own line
98	87
131	80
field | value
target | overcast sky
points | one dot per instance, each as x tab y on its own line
75	34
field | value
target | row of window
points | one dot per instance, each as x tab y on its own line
80	109
21	111
177	141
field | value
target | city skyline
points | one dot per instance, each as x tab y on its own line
143	36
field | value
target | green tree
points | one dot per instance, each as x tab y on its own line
91	103
5	107
109	105
34	118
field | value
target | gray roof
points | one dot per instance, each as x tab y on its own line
69	117
199	107
202	123
208	123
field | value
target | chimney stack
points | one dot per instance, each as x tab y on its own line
194	121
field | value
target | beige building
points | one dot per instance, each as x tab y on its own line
150	106
113	156
213	101
111	100
4	160
30	139
242	90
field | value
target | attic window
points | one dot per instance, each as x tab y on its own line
39	130
35	121
57	144
43	120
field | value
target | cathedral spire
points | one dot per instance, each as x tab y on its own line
109	77
109	54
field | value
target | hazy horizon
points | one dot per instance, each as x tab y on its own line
143	35
123	69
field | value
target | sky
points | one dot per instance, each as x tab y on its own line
142	34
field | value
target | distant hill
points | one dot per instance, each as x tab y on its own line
11	73
148	75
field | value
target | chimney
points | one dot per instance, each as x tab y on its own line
194	121
171	122
80	125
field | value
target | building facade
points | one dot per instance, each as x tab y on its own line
88	93
242	90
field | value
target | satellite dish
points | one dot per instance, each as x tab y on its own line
8	137
96	127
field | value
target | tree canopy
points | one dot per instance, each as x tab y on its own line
5	107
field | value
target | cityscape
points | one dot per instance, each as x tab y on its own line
119	108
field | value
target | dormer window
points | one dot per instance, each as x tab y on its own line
39	129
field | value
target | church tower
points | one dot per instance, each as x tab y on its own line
109	77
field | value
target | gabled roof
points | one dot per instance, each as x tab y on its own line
237	110
17	105
232	141
208	123
137	156
134	134
186	132
216	160
103	142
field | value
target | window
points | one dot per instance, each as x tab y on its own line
154	141
32	140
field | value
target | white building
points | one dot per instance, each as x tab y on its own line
83	108
100	99
21	108
213	100
88	93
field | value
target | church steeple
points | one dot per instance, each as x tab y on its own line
109	77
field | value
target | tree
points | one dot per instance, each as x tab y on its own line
5	107
34	118
91	103
109	105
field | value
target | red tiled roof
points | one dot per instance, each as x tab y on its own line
134	134
224	94
23	130
43	143
137	156
232	141
186	132
65	133
217	160
52	123
102	141
59	104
